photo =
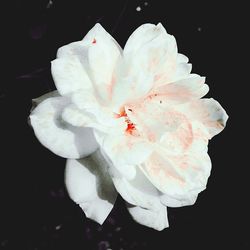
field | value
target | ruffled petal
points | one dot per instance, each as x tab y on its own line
155	219
90	186
154	119
142	197
209	112
185	90
125	151
58	136
185	200
149	53
176	175
138	191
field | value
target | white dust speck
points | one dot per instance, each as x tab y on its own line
199	29
50	3
138	8
58	227
146	3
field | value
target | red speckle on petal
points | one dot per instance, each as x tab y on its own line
130	126
94	41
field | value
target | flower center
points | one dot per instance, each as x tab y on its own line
130	125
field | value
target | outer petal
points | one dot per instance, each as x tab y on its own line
138	191
184	90
143	198
69	74
60	137
151	52
209	112
90	186
98	54
156	53
150	218
186	200
179	175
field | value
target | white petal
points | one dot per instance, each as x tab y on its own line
181	91
39	99
182	71
138	191
98	53
178	175
182	58
60	137
90	186
125	151
209	112
155	219
153	51
143	198
103	57
141	36
69	75
187	200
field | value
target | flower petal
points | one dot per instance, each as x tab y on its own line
209	112
138	191
153	119
155	219
151	51
60	137
178	175
125	151
186	200
98	53
181	91
69	74
90	186
143	198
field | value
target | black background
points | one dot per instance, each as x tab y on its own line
35	210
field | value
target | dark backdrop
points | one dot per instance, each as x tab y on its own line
35	210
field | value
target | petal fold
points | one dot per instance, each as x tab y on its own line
57	135
89	185
155	219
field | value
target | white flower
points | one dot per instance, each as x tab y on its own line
129	121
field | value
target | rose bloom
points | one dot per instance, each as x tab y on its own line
129	121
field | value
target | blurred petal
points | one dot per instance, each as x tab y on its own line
90	186
60	137
157	220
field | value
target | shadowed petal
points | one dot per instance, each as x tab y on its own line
60	137
90	186
157	220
